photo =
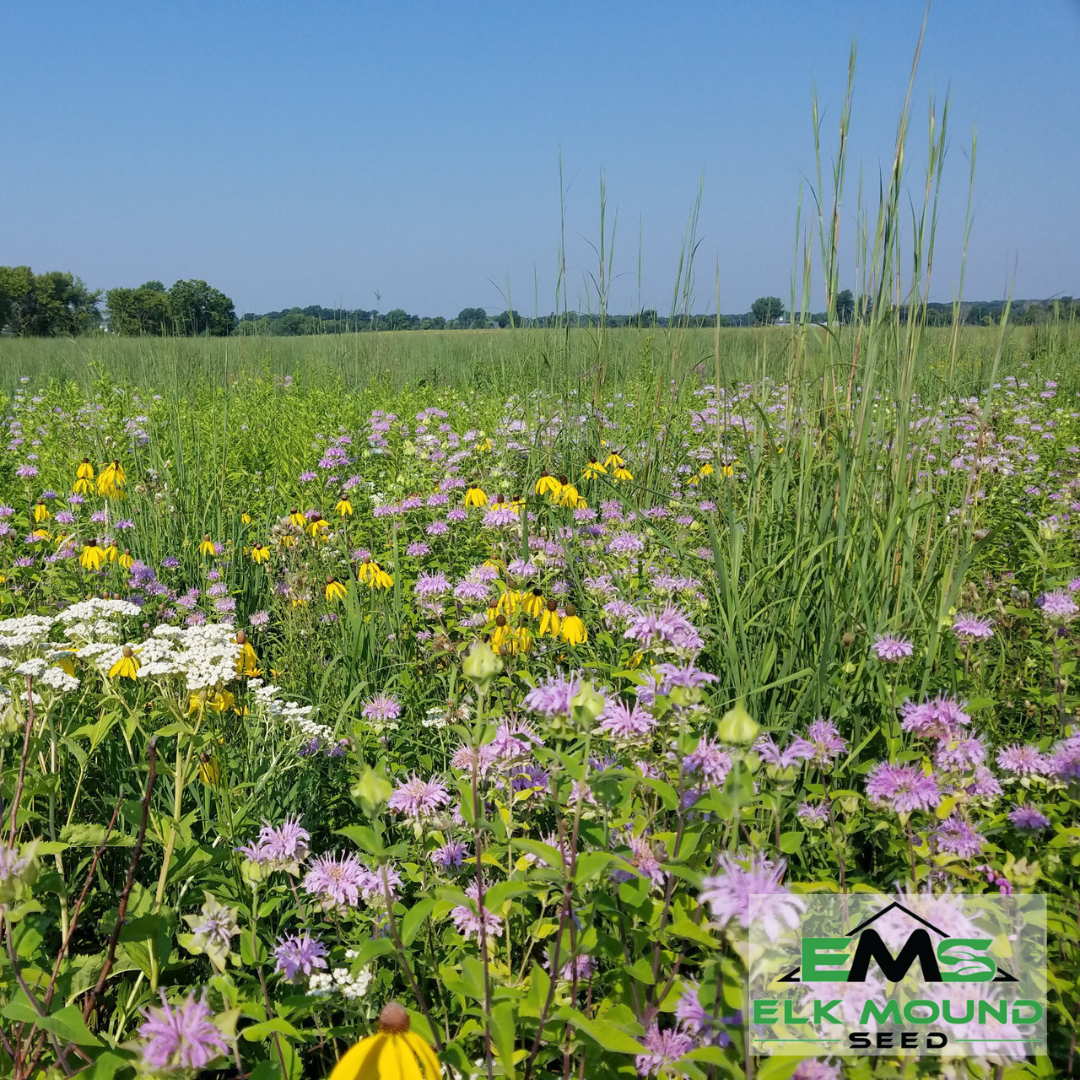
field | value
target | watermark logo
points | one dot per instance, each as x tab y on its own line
916	974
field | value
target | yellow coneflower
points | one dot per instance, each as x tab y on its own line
613	459
532	603
247	663
573	630
111	479
126	560
380	579
593	470
316	526
508	602
245	518
220	701
207	545
569	495
547	485
516	503
92	556
500	633
126	667
621	473
61	536
112	552
485	446
40	534
519	641
260	553
549	620
296	518
335	590
396	1053
344	507
84	478
209	770
705	470
66	665
475	496
727	470
41	511
635	660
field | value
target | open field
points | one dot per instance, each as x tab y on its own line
649	626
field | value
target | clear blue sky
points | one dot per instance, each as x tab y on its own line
299	153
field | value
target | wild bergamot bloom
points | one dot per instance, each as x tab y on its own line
84	477
260	553
92	556
573	630
475	495
547	485
396	1053
344	507
207	546
126	667
335	590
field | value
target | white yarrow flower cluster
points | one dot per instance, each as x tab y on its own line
23	632
293	712
351	986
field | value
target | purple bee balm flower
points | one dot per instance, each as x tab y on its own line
581	967
891	648
336	880
960	755
626	543
418	798
955	836
307	477
309	748
771	754
170	562
662	1050
972	628
471	919
825	740
694	1019
285	843
643	857
181	1036
552	697
429	584
458	513
1065	759
938	718
816	813
625	722
902	788
985	783
669	627
99	517
451	855
816	1069
382	707
437	528
260	618
26	472
296	953
754	892
1058	606
123	524
471	591
417	550
501	518
711	760
1027	817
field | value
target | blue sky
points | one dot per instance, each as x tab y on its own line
317	153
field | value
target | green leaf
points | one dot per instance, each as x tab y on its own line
790	842
668	795
603	1032
259	1032
363	836
687	928
414	918
641	970
504	1035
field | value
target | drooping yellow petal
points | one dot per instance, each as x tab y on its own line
432	1068
348	1068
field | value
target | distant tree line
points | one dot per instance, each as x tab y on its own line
59	304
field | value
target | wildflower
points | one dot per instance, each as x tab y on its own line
593	470
183	1036
532	603
344	507
207	546
336	880
395	1053
335	590
451	855
376	577
694	1019
711	760
621	474
126	667
972	628
111	479
662	1050
470	921
299	953
1023	760
209	770
625	722
431	584
825	741
902	788
572	630
1027	817
84	475
92	556
955	836
754	892
813	813
296	518
549	620
247	663
552	697
259	553
418	798
1057	606
568	495
547	485
891	648
317	526
815	1069
474	495
939	718
381	708
126	560
245	518
41	511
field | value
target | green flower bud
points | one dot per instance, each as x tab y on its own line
482	665
738	726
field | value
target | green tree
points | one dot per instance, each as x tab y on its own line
44	305
766	310
397	319
135	312
507	318
472	318
845	306
197	308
